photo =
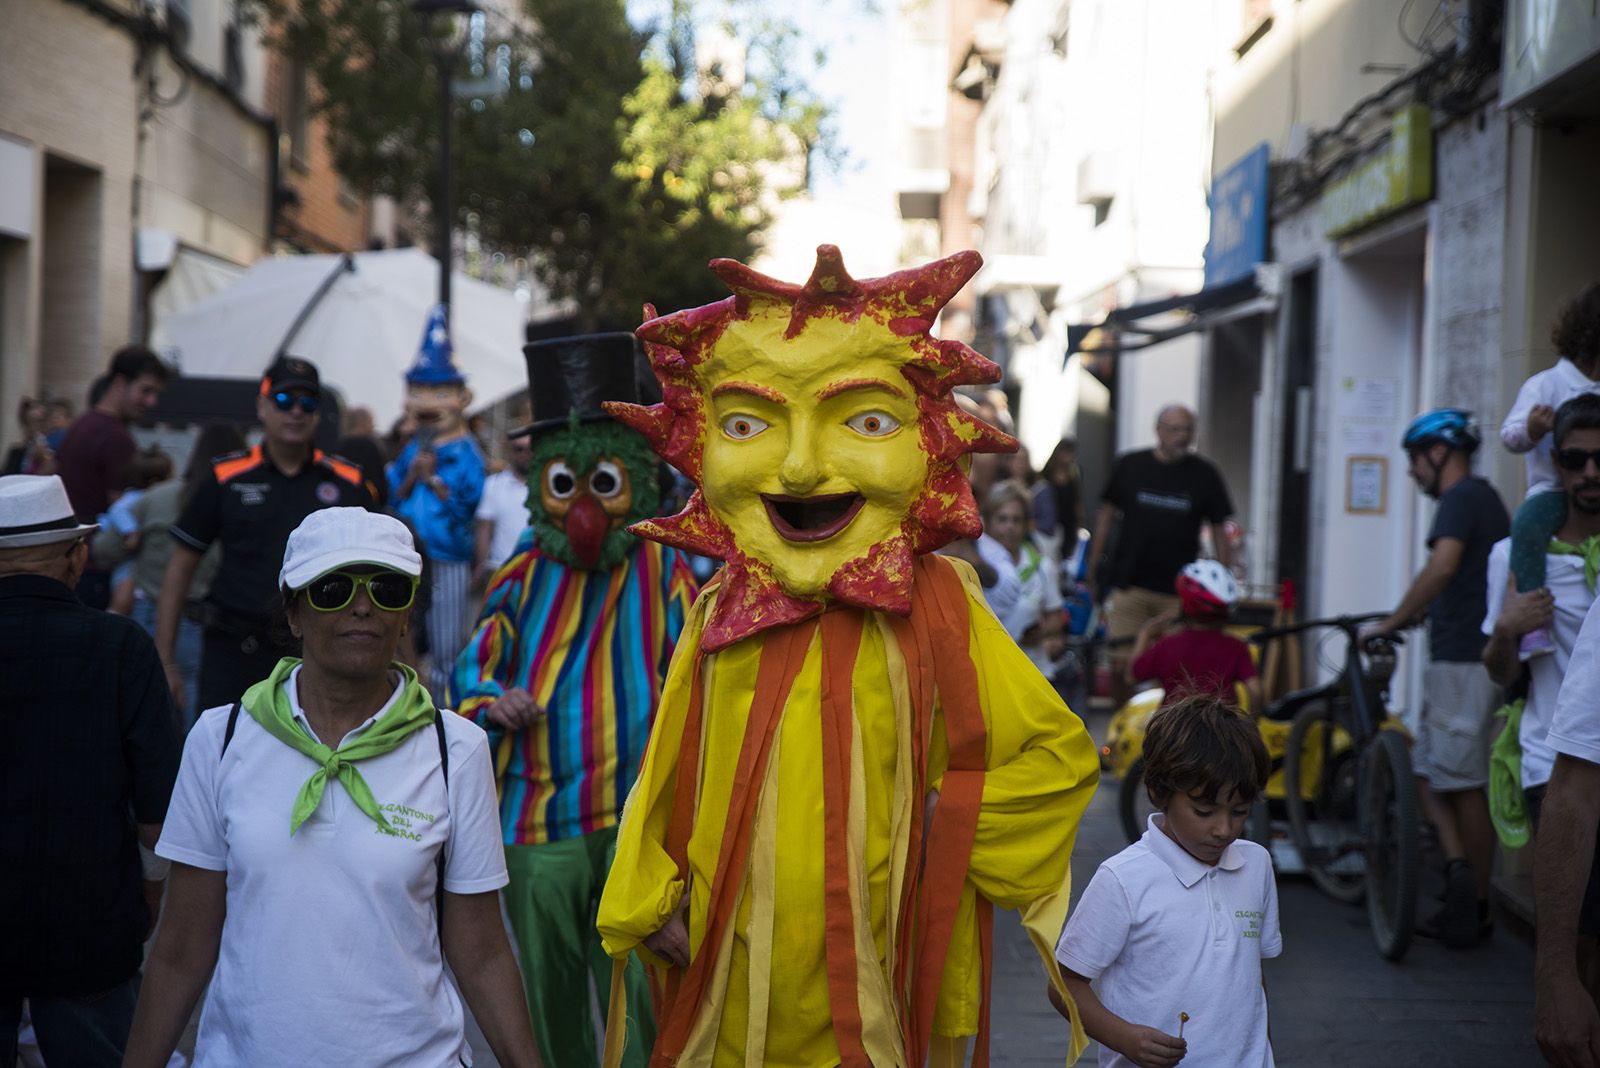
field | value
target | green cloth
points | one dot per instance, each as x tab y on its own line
268	704
1507	807
551	900
1589	549
1031	562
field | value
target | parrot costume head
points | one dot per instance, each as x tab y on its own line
589	477
436	392
819	425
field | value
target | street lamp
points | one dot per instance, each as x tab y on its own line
443	58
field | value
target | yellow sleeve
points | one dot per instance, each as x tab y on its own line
643	887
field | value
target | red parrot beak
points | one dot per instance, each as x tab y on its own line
587	526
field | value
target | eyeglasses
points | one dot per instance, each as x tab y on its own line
388	590
306	402
1577	459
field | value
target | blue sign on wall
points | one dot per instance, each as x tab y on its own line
1238	219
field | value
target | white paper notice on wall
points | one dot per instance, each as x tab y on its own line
1359	438
1369	398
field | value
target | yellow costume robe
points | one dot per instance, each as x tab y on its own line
766	1000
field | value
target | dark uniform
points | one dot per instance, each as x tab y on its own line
250	507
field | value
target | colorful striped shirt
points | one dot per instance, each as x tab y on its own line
592	648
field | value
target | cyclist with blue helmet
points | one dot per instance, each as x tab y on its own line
1451	750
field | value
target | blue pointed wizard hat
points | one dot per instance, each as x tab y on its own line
434	366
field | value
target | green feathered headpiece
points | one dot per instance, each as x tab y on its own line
581	445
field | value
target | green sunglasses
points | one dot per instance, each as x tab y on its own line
388	590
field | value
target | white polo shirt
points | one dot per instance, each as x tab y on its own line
1162	933
330	950
1575	726
1564	577
505	504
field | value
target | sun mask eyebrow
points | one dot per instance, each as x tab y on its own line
750	389
833	389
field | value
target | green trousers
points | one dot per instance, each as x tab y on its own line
552	899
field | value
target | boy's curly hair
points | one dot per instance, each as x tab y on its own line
1203	747
1576	333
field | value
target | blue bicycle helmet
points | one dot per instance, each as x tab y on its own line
1449	426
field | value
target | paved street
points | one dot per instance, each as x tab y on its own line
1333	1000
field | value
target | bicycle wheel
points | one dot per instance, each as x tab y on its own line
1389	815
1133	804
1324	825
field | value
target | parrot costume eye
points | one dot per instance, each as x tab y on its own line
607	479
873	424
743	427
560	480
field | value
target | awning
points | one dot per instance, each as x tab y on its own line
1125	329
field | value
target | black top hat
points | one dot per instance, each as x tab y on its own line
568	374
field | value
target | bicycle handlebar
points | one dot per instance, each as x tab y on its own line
1349	624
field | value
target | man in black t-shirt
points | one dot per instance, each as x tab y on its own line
1450	751
1161	497
249	503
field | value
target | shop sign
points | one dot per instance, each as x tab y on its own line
1397	178
1238	218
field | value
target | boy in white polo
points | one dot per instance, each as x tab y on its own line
1172	931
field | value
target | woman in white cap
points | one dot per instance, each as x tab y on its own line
335	839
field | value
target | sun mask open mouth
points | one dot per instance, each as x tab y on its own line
808	519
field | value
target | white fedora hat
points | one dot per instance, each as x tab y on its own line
34	510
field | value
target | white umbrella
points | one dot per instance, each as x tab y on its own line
362	332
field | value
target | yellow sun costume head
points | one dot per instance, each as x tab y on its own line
819	426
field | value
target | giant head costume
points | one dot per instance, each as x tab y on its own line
436	392
819	425
589	477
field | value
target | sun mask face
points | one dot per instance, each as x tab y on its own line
813	462
818	422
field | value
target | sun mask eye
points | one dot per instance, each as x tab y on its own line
559	480
742	427
873	424
606	481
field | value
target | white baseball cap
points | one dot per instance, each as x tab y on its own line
331	538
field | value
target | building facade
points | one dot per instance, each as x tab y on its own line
1390	204
127	184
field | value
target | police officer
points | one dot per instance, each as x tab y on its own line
249	503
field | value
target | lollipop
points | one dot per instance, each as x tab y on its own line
1183	1018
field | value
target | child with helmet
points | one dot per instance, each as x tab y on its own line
1200	659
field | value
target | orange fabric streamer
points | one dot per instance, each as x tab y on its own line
781	659
939	628
841	640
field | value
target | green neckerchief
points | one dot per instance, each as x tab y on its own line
268	704
1030	562
1589	549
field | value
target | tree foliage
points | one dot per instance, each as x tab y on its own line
613	157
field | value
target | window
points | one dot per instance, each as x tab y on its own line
179	24
295	113
1255	22
233	56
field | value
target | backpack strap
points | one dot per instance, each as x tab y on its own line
233	721
444	769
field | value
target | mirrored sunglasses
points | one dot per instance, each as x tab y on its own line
388	590
306	402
